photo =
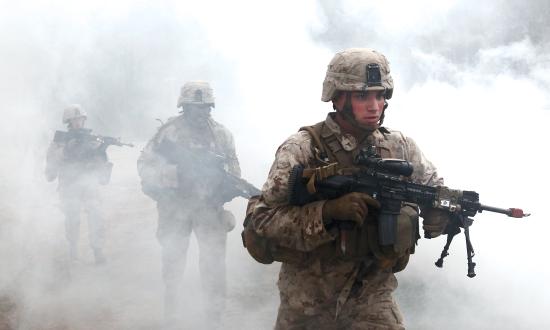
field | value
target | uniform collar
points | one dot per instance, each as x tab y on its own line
348	141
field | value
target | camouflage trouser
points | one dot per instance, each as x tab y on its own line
177	219
365	309
74	200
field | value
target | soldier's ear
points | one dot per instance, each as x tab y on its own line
338	100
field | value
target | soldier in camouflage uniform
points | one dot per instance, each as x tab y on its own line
180	170
329	289
80	165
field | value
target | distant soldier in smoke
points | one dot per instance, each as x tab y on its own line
80	164
334	273
185	168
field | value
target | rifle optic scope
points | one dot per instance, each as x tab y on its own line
389	165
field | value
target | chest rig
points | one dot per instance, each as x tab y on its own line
360	243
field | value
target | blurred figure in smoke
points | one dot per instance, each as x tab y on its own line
335	275
80	164
182	168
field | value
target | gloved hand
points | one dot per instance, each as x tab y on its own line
435	221
350	207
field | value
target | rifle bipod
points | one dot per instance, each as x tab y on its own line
452	230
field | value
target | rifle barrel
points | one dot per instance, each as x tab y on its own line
511	212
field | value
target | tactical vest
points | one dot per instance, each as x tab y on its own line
362	242
354	244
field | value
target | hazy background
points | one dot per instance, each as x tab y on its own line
472	83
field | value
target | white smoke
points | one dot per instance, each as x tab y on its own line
471	88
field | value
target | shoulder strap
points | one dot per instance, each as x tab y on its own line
337	153
162	127
335	150
328	146
318	146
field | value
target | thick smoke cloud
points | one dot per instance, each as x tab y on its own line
125	63
454	31
117	67
472	83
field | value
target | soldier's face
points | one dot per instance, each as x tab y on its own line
197	111
367	106
77	122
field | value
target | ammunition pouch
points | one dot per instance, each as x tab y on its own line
361	243
352	243
407	229
397	255
257	246
261	248
408	235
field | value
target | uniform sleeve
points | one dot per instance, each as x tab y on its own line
54	158
296	227
232	160
155	172
424	171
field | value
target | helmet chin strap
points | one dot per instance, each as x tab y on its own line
383	113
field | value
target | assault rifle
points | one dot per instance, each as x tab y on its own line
85	146
387	181
85	135
206	164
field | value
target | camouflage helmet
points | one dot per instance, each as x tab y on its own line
73	111
196	92
357	69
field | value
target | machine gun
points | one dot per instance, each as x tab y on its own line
206	164
387	181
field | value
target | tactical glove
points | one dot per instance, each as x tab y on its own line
435	221
350	207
